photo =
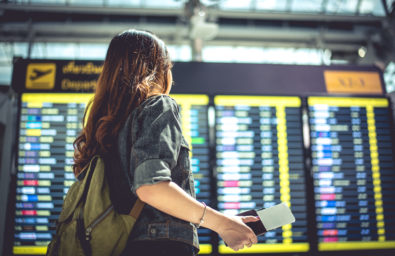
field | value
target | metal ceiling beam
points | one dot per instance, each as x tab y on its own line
301	16
346	47
99	10
280	34
83	32
250	15
290	34
87	29
349	47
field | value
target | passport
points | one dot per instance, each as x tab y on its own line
270	218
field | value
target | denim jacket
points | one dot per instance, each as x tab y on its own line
152	149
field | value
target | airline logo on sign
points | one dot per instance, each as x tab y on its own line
40	76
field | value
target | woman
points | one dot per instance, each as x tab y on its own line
132	115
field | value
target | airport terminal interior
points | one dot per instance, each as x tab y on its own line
281	102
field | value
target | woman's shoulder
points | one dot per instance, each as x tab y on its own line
159	103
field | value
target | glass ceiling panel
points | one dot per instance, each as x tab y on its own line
235	5
342	6
374	7
389	77
60	51
5	52
85	51
91	51
177	53
271	5
62	2
163	4
217	54
135	3
5	75
86	2
10	50
123	3
38	50
248	54
311	6
20	49
180	52
262	55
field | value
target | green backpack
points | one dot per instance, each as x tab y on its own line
88	224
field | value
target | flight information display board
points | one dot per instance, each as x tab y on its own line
354	172
49	123
194	118
260	163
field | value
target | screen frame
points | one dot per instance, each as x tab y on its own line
304	169
8	238
365	252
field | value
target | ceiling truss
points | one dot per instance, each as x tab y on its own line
339	33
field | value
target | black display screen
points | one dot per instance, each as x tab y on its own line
49	123
354	173
260	163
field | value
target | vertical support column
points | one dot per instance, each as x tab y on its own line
375	173
282	144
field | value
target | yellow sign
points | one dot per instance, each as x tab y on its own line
272	101
342	246
36	100
29	250
348	102
358	82
40	76
267	248
205	249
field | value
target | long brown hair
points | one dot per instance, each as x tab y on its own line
137	63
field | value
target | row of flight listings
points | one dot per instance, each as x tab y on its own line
260	162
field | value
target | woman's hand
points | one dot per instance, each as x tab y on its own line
236	234
168	197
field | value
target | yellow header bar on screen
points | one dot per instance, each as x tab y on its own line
205	249
272	101
348	102
341	246
190	99
267	248
31	250
37	99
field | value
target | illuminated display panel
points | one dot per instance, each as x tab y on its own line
353	169
194	118
49	123
260	163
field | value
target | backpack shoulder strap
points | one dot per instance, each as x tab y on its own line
137	208
77	192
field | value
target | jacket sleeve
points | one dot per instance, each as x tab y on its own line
157	143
